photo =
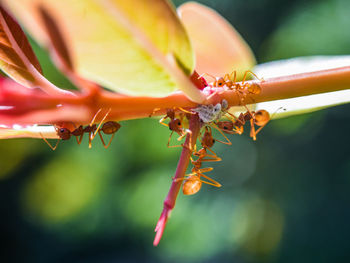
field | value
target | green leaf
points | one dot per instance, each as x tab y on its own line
136	47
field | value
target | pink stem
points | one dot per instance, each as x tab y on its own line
170	200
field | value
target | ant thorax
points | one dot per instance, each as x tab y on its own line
210	113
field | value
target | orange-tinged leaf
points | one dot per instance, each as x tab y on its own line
137	47
17	58
219	48
58	44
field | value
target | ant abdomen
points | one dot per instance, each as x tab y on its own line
110	127
261	117
192	185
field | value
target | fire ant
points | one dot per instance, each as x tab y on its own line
175	125
259	118
243	88
110	127
193	182
230	127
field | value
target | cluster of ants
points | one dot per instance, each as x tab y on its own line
210	116
109	127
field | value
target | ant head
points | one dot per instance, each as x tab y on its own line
110	127
175	125
225	125
254	88
219	82
64	133
191	185
261	117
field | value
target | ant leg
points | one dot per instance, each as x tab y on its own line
211	152
238	130
248	71
227	77
187	132
234	118
168	144
235	75
260	128
201	76
212	158
261	79
212	181
228	142
153	112
93	119
103	142
245	76
252	130
47	142
180	145
205	170
186	111
161	121
182	178
80	138
99	126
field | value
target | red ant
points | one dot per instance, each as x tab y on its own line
193	182
109	127
65	134
175	125
242	88
207	143
259	118
230	127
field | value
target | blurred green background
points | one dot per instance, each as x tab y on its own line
285	197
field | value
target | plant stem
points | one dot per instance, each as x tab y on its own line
26	103
170	200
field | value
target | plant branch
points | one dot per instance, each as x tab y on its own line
24	101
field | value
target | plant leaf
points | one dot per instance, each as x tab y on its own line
17	131
137	47
58	44
17	58
219	48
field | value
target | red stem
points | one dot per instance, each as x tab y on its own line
170	200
